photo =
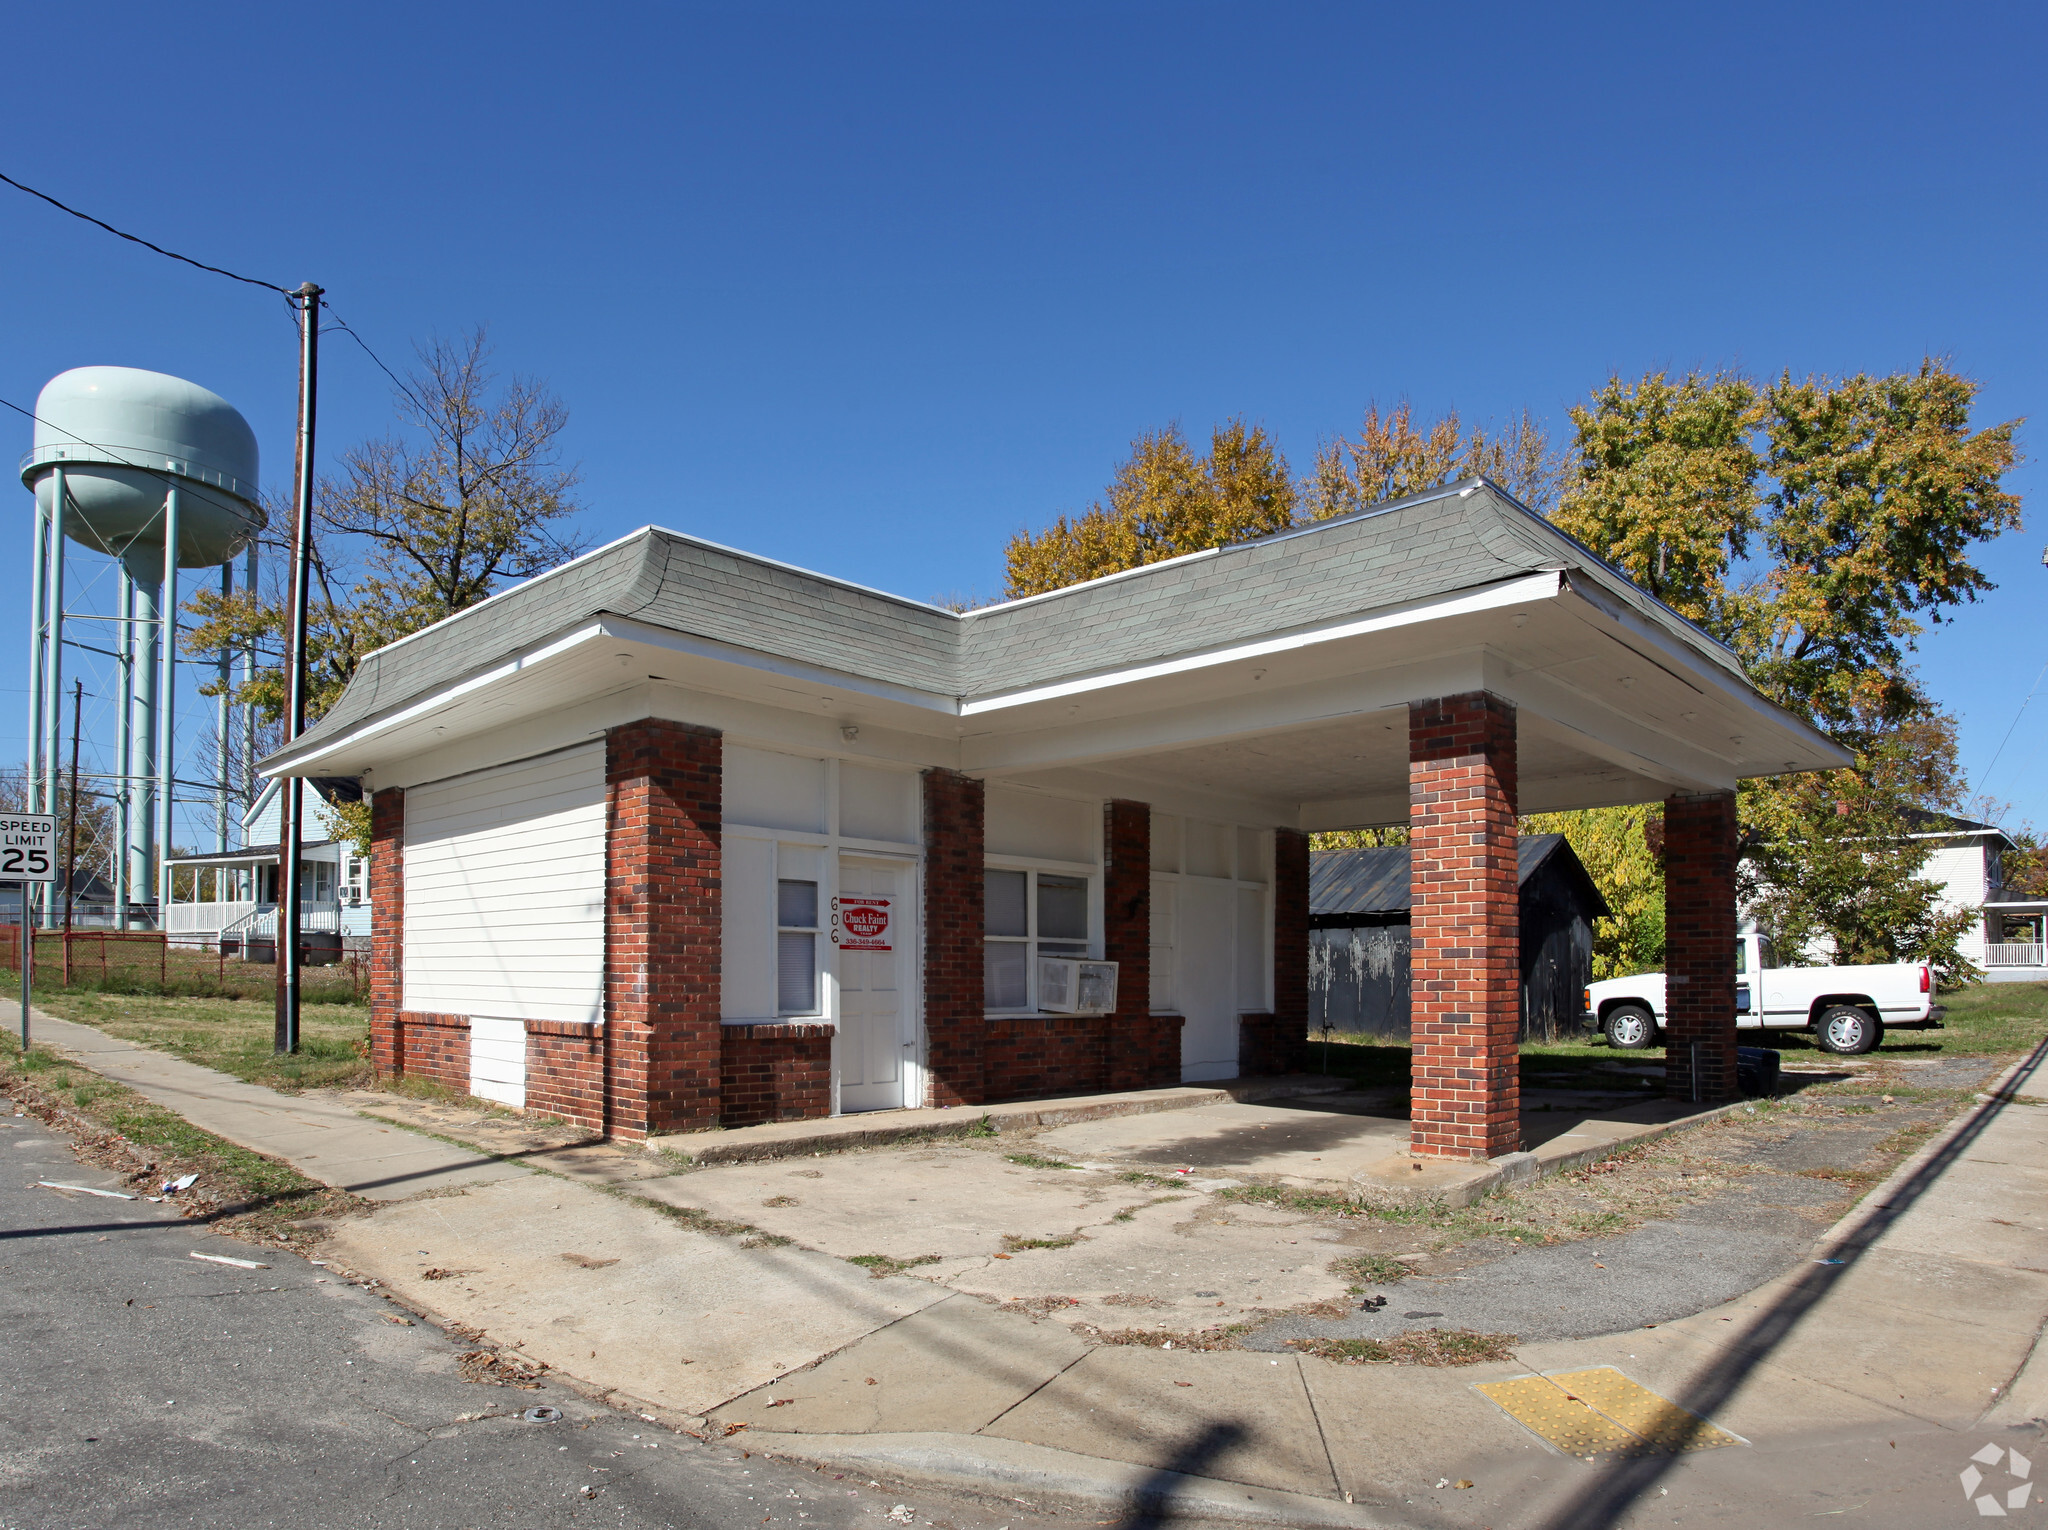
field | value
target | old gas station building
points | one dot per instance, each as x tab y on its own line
674	836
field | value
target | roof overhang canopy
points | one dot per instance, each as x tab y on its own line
1278	673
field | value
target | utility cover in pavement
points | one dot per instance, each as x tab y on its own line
1601	1415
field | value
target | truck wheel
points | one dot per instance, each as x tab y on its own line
1846	1030
1630	1027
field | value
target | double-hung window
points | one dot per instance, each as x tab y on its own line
796	947
1028	914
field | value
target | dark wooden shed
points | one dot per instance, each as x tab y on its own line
1358	938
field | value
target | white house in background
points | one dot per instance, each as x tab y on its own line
1968	861
232	894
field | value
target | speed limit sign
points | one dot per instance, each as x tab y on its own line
28	847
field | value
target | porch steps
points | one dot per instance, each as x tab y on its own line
875	1128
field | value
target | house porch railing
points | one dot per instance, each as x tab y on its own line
2016	954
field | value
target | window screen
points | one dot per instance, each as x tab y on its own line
796	947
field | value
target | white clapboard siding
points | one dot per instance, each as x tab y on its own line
497	1060
504	890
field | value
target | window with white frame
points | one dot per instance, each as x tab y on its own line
1028	914
796	947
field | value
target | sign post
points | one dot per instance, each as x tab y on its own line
28	853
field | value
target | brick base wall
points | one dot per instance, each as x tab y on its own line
1465	928
775	1073
1268	1044
1143	1048
565	1071
1699	945
1032	1057
432	1046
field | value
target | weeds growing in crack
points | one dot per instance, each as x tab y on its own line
879	1266
1035	1161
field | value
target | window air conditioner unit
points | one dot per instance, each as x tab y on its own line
1070	987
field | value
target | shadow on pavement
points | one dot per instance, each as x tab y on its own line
1609	1497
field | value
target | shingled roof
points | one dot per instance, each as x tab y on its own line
1462	537
1374	881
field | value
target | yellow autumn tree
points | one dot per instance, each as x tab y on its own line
1163	501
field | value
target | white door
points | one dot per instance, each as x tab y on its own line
872	928
1207	982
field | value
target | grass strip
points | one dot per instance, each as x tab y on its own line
1430	1346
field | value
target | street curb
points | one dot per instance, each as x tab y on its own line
1004	1471
958	1120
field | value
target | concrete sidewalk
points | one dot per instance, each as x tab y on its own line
1857	1370
320	1137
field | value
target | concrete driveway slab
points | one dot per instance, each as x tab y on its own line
904	1202
681	1319
1175	1265
957	1365
1321	1138
1241	1417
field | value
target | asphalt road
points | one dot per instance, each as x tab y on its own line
147	1388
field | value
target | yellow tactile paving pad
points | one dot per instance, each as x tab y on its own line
1636	1408
1601	1415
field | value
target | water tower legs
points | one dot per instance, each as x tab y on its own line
53	670
124	748
140	841
167	699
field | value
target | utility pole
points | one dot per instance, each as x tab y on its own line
71	835
293	797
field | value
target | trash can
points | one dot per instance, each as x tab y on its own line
1756	1072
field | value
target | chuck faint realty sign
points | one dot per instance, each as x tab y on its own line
28	847
861	924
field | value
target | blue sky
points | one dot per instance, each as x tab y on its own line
870	287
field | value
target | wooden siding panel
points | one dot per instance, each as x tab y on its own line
504	890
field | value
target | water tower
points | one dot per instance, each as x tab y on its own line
160	474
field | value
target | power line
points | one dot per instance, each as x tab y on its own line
138	239
1984	781
396	381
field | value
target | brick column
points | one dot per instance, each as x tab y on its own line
1699	945
1290	951
662	933
1465	1077
953	931
1143	1054
387	931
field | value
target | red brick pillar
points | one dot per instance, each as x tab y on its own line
387	931
953	932
1290	951
1143	1053
662	933
1699	945
1465	1078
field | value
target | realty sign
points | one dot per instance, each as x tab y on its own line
861	924
28	847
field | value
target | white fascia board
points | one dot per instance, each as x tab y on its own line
286	763
255	809
1545	585
627	630
1693	669
611	629
1253	714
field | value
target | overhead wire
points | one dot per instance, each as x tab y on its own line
1984	781
138	239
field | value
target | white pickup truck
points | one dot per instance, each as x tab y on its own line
1847	1008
